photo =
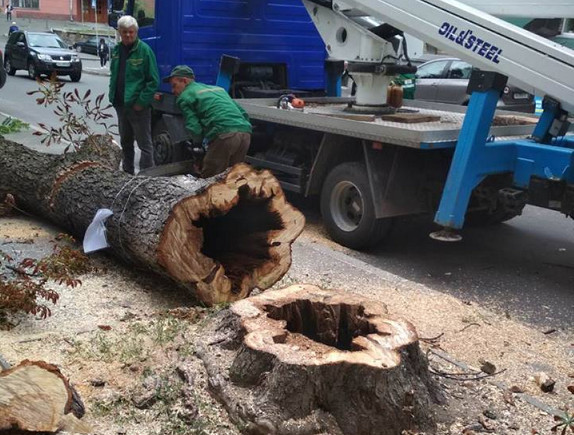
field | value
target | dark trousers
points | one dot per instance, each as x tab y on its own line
103	59
225	151
8	16
135	125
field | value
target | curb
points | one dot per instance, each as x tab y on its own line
95	72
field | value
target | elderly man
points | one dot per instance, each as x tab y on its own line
211	114
133	82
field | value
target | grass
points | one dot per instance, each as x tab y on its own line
12	125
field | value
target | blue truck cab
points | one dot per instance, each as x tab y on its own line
276	41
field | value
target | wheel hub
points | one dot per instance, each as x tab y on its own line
347	206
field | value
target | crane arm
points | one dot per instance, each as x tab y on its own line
534	63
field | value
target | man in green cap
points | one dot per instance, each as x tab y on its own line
133	82
211	114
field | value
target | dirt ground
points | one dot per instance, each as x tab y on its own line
127	340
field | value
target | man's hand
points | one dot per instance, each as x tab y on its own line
137	107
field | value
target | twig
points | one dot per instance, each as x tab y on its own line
432	339
20	271
468	326
465	376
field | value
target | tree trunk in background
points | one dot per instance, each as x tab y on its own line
219	237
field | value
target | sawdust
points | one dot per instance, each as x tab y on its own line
116	339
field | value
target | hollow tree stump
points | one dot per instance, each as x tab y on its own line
303	360
36	397
219	237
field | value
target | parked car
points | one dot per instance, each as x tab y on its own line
445	81
41	53
90	45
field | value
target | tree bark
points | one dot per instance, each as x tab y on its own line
308	361
218	237
35	396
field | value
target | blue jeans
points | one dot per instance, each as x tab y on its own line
135	125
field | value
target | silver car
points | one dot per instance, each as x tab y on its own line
445	81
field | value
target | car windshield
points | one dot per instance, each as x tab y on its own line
46	41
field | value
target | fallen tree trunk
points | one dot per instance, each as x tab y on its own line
311	361
35	396
220	237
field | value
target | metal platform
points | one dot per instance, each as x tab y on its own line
320	115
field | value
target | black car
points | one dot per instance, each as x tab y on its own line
41	53
90	45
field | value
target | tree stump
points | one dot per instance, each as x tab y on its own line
36	397
219	237
303	360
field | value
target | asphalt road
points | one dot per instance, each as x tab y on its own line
524	267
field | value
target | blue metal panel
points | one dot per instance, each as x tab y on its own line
465	170
198	32
474	159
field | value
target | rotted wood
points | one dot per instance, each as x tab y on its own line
36	397
218	237
309	361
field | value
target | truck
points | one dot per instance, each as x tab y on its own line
367	162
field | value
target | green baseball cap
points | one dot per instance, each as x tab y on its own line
180	71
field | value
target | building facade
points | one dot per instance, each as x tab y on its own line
73	10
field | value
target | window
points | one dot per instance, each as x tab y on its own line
433	70
459	70
569	25
26	4
45	40
144	12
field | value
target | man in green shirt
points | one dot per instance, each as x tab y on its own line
133	82
211	114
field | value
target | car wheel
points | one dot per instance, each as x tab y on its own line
8	66
348	210
32	72
2	76
75	77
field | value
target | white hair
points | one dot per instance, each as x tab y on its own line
127	21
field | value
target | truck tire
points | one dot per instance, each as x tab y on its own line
347	208
163	149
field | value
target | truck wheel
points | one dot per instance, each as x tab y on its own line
162	146
347	208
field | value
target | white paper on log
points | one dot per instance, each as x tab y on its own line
95	237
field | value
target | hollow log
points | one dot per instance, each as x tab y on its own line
307	361
36	397
218	237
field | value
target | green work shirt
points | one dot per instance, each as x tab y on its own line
142	75
209	112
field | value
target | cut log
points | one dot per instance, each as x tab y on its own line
218	237
319	362
35	396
